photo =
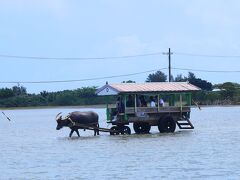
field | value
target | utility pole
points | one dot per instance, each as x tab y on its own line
169	53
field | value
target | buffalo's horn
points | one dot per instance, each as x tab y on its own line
67	116
58	115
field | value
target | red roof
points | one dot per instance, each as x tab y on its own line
150	87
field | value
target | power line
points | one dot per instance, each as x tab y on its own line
206	55
78	58
78	80
115	76
210	71
113	57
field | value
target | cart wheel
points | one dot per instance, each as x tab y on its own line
167	125
147	128
141	128
114	128
125	130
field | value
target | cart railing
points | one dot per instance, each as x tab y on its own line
157	110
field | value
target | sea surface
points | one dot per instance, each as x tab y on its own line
32	148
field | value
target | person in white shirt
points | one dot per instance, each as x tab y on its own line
152	102
161	102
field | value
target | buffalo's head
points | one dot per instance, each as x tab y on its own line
61	122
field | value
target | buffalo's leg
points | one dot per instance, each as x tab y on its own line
96	132
98	129
70	135
77	132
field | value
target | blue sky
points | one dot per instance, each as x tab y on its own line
100	28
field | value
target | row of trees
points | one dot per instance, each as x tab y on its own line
191	78
17	96
81	96
11	92
218	94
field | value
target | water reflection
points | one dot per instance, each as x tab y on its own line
31	148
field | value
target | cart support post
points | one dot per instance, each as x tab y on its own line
135	103
181	107
125	106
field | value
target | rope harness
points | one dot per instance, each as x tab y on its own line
73	123
83	125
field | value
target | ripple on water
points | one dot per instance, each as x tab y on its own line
31	148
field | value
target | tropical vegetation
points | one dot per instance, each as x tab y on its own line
217	94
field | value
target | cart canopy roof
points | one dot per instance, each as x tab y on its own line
151	87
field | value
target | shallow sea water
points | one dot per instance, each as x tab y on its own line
31	148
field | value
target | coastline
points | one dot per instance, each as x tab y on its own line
100	106
56	107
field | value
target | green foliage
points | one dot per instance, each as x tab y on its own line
6	93
159	76
18	97
229	90
180	78
19	90
86	92
23	101
229	93
203	84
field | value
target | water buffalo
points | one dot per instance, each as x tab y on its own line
89	119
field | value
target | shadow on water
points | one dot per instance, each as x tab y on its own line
76	138
157	135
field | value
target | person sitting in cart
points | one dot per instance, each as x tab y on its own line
143	102
152	102
130	101
161	102
139	104
120	106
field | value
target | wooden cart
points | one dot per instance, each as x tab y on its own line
177	98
